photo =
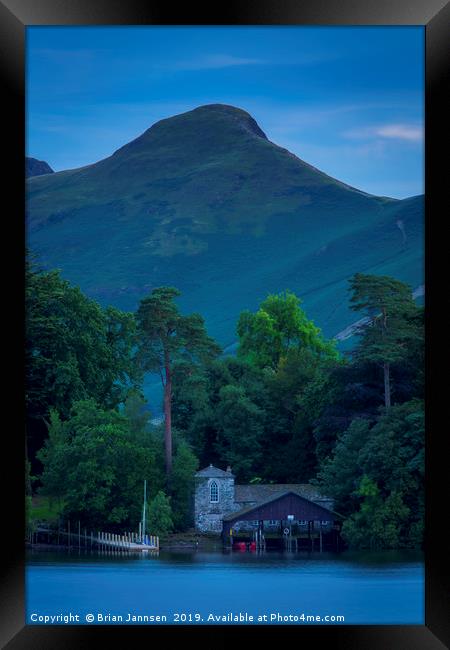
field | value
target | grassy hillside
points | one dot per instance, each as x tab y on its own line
205	202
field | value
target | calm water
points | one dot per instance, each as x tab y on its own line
189	587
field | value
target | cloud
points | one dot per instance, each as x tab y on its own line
401	132
408	132
213	61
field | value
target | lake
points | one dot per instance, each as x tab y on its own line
197	587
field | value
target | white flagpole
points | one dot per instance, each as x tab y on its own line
143	515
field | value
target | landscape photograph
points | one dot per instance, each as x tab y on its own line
225	304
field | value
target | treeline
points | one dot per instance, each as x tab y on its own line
288	408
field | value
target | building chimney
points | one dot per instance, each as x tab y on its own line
229	469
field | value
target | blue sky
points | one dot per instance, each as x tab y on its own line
348	100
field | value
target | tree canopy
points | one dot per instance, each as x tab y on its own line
74	350
391	323
165	335
279	326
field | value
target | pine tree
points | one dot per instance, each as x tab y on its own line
165	336
390	326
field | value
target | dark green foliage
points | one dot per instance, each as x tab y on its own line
297	358
160	520
95	465
256	412
287	409
390	454
340	474
393	329
136	412
74	350
185	464
378	522
219	407
240	425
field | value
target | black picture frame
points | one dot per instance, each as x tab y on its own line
15	16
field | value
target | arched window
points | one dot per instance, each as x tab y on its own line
214	492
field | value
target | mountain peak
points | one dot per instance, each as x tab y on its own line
211	125
34	167
232	112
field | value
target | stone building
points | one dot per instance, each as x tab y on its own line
217	498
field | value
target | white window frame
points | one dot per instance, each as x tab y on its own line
212	485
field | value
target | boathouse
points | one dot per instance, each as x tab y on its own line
225	508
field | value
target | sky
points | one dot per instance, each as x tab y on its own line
348	100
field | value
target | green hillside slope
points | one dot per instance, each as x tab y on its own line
205	202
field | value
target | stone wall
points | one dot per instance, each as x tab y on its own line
208	516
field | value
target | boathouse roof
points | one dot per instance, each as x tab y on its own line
258	493
279	504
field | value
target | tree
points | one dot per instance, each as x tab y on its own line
390	326
340	474
135	409
279	325
160	515
378	522
239	427
387	453
165	336
95	466
74	350
297	393
185	464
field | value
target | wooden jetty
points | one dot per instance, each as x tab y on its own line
129	541
99	540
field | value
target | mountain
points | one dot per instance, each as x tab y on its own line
34	167
204	201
